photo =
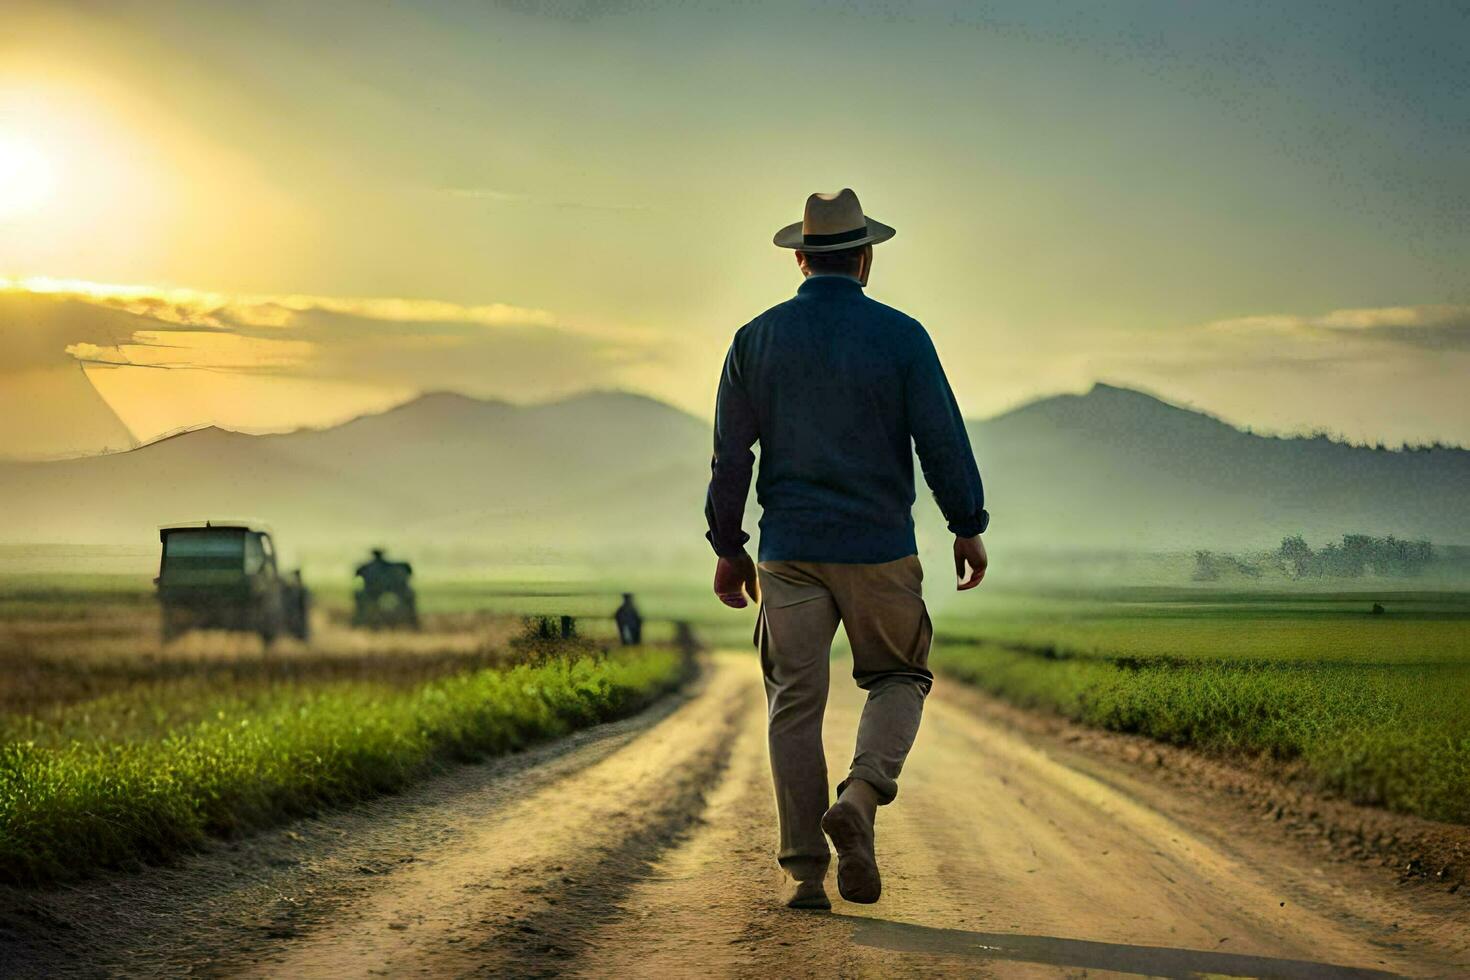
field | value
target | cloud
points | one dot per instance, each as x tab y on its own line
1435	327
495	348
213	350
209	357
192	307
1381	373
166	358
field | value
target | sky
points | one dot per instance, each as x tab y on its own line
278	214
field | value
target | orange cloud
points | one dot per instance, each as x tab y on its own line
172	358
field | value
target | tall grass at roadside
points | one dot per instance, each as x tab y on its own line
69	805
1388	734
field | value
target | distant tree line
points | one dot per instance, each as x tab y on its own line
1356	555
1336	439
1211	565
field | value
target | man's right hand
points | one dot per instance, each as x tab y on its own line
969	551
734	574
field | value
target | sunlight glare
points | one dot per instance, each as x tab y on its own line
26	179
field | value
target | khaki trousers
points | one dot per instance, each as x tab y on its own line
882	609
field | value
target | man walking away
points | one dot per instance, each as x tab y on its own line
629	621
838	390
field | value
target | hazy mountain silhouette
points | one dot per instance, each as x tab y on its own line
565	477
1119	467
609	471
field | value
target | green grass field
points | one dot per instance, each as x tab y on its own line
115	749
1416	627
1375	707
106	785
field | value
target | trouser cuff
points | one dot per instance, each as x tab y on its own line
887	787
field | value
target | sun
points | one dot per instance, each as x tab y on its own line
26	178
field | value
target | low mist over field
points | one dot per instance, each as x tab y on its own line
611	476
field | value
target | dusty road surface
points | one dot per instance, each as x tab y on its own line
644	848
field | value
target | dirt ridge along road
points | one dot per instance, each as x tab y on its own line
648	852
1426	855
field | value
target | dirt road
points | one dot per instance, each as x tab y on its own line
644	849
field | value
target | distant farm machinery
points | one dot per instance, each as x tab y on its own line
386	599
224	576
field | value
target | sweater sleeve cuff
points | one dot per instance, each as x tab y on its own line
727	549
971	526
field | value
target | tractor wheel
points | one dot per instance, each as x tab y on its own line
170	627
298	623
266	625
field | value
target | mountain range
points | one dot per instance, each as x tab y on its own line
611	472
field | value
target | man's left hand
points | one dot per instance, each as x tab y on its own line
734	574
969	554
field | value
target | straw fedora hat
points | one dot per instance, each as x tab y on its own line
833	222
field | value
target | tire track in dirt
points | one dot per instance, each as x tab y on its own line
517	894
1001	858
647	850
216	912
712	905
1386	911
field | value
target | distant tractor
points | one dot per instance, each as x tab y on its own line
386	599
224	576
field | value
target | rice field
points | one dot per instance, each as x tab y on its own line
116	749
119	749
1372	706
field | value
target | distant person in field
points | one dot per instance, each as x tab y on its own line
379	575
838	390
630	622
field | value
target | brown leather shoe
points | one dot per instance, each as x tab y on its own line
809	895
850	825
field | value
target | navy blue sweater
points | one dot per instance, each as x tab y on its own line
839	390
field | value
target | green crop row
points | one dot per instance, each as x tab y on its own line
1179	623
1392	735
71	805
